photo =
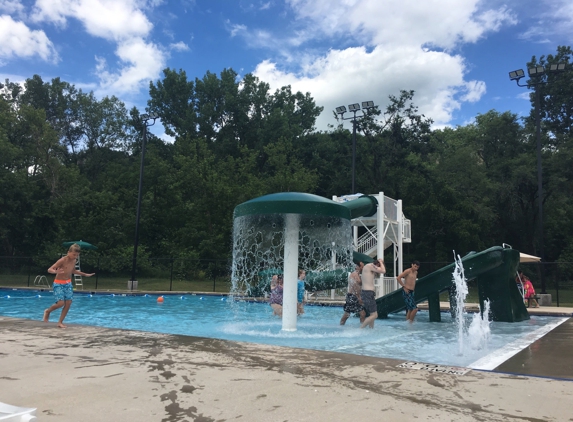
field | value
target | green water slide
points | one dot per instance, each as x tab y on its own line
494	269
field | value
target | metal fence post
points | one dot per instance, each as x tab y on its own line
29	269
557	285
97	272
171	276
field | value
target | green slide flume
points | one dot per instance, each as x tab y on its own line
494	269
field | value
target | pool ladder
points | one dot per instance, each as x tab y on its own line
78	282
41	281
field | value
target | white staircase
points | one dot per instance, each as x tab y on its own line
388	226
368	242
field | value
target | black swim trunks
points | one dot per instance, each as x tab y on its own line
352	305
368	301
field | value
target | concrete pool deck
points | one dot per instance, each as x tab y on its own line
93	374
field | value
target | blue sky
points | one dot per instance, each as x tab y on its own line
456	54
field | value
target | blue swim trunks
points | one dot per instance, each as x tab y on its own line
63	291
409	299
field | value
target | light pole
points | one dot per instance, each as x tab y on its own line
537	74
354	108
145	119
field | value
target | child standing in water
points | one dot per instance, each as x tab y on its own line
276	299
300	292
63	269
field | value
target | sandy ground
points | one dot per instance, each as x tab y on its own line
92	374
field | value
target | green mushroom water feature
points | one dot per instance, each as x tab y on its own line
282	232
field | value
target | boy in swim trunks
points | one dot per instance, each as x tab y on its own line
353	303
368	295
64	268
409	284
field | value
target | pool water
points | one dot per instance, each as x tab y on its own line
220	317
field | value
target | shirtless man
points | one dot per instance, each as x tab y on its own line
368	296
353	303
409	284
64	268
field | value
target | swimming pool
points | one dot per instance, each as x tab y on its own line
318	328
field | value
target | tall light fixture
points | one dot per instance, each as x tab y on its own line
354	108
537	73
145	119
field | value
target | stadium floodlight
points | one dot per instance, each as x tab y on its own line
147	120
536	71
516	75
557	67
366	105
536	74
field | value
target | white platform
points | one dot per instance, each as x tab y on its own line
9	413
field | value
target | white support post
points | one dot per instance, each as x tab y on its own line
290	272
333	263
380	234
355	237
380	226
395	260
400	237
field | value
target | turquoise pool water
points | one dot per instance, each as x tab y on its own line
318	328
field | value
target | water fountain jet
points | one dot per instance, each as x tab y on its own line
278	233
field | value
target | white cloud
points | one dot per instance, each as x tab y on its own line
402	45
140	62
109	19
236	29
555	20
475	90
12	7
165	137
17	40
179	46
353	75
440	23
119	21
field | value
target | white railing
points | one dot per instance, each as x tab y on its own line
41	281
367	241
385	285
407	232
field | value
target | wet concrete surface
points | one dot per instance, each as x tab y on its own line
550	356
93	374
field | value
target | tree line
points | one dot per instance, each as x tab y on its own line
69	167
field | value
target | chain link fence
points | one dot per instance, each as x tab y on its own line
200	275
153	274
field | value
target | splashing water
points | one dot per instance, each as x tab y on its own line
324	243
478	333
460	282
